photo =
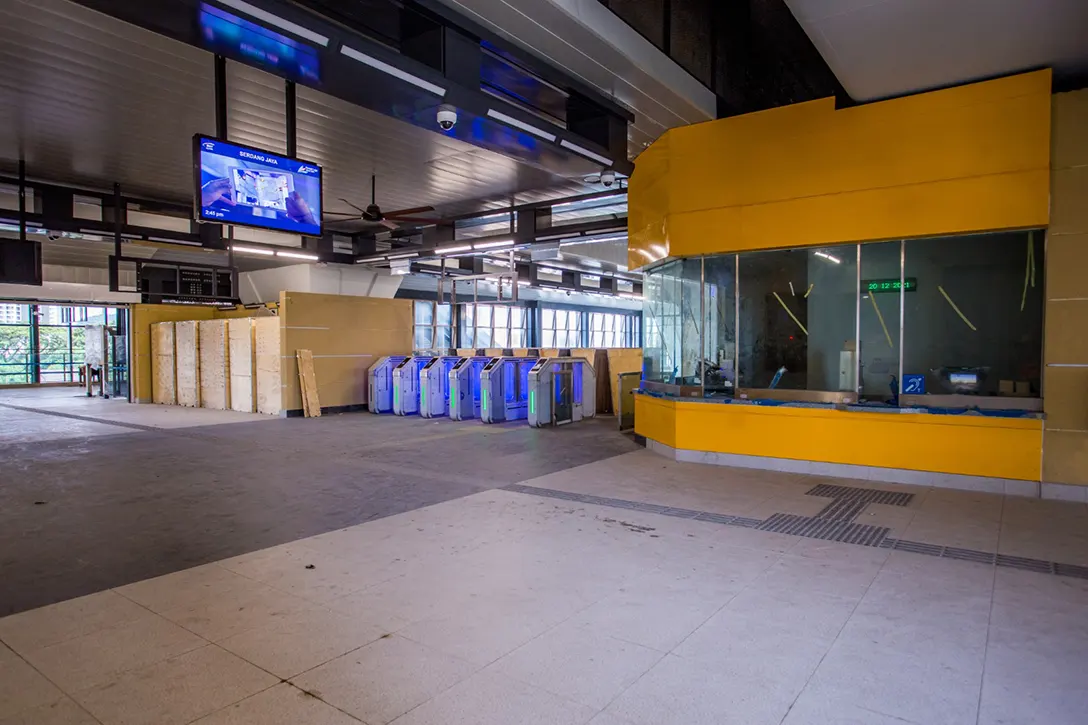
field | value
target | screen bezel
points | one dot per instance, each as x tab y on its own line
198	208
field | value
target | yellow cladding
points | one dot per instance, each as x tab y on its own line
966	159
967	445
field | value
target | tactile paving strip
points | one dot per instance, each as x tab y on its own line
829	529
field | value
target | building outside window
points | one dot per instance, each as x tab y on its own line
61	340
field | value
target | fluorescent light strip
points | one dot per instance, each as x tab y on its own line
828	257
297	255
511	121
252	250
392	70
495	244
277	21
454	250
585	152
406	255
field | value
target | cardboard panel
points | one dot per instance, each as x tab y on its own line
187	346
1069	145
1067	265
243	377
164	366
267	365
1066	401
1065	457
214	365
1068	208
143	316
1065	339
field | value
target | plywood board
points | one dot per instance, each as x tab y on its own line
311	404
243	376
622	360
187	347
164	383
267	365
214	365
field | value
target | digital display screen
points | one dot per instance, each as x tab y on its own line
892	284
230	35
254	188
963	378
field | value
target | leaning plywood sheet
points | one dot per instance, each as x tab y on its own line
214	365
187	346
266	343
311	404
243	378
164	384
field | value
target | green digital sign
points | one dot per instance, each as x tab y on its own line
892	284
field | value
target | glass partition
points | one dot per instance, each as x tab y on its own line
946	322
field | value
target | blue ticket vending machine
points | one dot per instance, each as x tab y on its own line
504	389
380	384
434	382
464	387
406	384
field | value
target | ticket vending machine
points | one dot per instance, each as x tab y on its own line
434	383
464	387
406	384
504	389
380	384
561	390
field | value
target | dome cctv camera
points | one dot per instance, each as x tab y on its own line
608	178
447	117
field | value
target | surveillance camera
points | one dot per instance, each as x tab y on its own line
608	178
447	117
53	236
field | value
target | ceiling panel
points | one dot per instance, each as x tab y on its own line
88	99
884	48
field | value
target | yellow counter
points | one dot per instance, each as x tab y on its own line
971	445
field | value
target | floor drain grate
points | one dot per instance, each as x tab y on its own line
834	523
867	495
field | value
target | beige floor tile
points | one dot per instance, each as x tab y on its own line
846	577
385	679
806	613
95	659
22	688
482	634
896	518
177	690
188	588
300	641
283	704
74	618
947	529
488	698
236	610
62	712
693	692
578	664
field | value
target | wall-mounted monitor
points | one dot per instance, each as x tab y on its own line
254	188
229	35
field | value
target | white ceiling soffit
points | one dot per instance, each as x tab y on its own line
588	41
885	48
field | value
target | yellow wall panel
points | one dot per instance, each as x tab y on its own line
1066	399
972	158
1065	337
655	418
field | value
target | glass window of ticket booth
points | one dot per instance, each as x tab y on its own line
949	322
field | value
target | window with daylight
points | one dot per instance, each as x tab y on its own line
560	328
610	329
502	326
433	328
45	343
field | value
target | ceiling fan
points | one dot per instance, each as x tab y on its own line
374	214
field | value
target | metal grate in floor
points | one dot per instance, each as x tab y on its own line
837	526
868	495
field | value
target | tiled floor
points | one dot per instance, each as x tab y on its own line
501	608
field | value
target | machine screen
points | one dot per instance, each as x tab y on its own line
430	362
402	363
539	365
491	364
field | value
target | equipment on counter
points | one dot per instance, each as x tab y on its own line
434	385
380	384
464	387
561	390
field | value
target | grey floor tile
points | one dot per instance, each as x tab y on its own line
283	704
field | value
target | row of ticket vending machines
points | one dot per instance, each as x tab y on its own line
542	390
